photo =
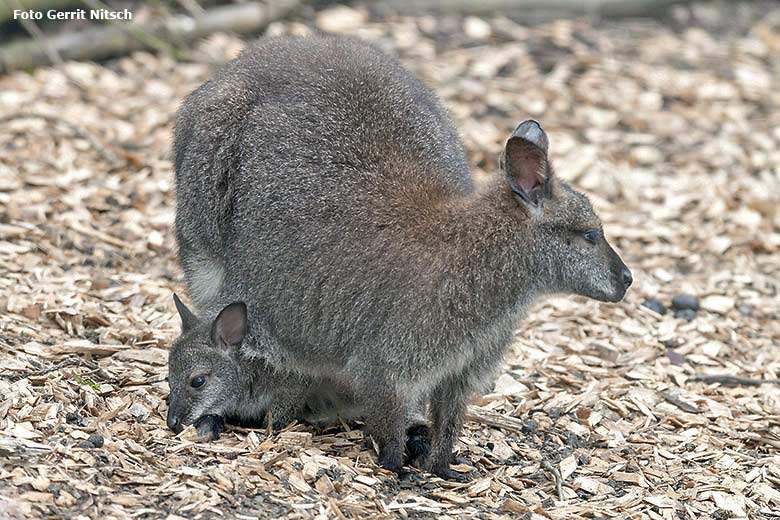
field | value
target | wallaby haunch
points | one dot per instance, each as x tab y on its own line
325	186
213	382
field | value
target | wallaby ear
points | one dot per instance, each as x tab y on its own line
525	162
188	319
230	326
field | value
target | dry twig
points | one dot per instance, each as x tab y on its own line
549	466
503	422
731	381
104	42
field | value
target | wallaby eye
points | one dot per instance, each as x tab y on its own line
197	381
591	235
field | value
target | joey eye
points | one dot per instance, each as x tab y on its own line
197	381
591	235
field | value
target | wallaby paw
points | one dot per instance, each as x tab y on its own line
448	473
418	444
282	422
411	477
210	426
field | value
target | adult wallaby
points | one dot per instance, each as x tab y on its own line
325	186
212	381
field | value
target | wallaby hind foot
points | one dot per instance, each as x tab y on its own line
386	423
452	475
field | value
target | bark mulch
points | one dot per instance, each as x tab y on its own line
603	411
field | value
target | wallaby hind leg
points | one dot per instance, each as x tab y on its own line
418	432
448	408
449	402
386	423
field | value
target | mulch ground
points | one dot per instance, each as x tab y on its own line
604	411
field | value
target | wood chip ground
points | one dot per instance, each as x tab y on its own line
603	411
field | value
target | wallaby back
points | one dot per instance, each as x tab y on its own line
398	121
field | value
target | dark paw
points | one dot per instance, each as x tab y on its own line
418	444
279	425
409	478
453	476
210	426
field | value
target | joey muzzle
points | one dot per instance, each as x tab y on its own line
174	420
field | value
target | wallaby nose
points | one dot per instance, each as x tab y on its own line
625	275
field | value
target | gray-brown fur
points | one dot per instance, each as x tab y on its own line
242	390
234	387
347	216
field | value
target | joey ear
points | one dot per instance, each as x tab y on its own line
230	326
188	319
525	162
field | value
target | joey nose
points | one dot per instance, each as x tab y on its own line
174	423
627	279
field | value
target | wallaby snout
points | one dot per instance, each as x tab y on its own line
621	276
627	278
597	272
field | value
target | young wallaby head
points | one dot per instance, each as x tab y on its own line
568	249
203	368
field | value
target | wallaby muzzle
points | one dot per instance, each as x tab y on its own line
621	276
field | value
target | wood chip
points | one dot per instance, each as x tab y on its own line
593	486
604	410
